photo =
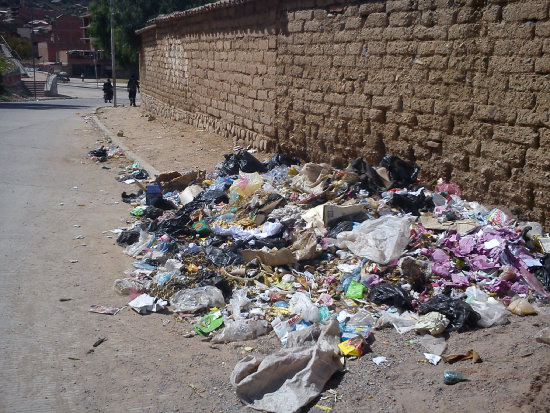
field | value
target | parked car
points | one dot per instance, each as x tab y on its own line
63	77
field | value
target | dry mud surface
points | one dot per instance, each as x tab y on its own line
148	365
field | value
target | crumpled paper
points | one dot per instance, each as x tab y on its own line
144	304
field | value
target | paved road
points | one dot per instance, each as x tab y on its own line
49	198
52	195
90	89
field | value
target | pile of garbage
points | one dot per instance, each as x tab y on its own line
322	257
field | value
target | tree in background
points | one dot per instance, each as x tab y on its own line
21	46
130	15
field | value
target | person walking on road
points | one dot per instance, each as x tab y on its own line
82	77
133	88
108	91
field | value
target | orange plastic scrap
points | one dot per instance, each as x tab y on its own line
470	355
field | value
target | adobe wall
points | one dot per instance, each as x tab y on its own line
461	87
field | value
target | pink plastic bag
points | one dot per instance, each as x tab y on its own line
450	188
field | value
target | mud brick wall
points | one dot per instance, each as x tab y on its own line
461	87
216	71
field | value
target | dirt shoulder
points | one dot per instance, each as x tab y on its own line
167	145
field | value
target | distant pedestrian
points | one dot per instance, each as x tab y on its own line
133	88
108	91
82	77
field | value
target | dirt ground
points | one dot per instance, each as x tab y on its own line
166	144
149	365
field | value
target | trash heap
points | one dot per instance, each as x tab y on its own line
322	256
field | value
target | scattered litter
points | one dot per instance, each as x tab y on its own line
290	378
432	358
379	360
544	336
324	257
101	309
100	341
453	377
522	307
144	304
470	355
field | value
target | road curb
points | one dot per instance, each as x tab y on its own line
127	152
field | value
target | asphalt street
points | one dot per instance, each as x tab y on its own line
55	207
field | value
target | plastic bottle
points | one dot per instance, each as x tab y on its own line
452	377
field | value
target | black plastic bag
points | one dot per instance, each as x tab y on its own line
390	294
369	178
152	212
401	173
161	203
242	161
128	198
211	196
543	273
128	237
213	278
99	152
173	227
459	312
280	159
256	244
339	227
179	224
223	257
412	204
140	174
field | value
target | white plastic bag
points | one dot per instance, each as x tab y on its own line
381	240
239	302
247	184
302	305
492	312
240	330
435	323
195	299
312	178
135	249
122	286
402	323
435	345
145	303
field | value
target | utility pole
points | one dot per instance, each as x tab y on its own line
32	48
113	56
95	68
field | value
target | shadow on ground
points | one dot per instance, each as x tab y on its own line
39	105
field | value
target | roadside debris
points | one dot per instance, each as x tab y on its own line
101	309
453	377
100	341
323	257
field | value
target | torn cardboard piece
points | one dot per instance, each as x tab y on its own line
175	181
462	226
326	214
273	258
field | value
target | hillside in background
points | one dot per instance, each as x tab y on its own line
74	7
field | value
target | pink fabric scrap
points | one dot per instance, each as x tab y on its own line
499	286
480	262
460	280
465	246
520	288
